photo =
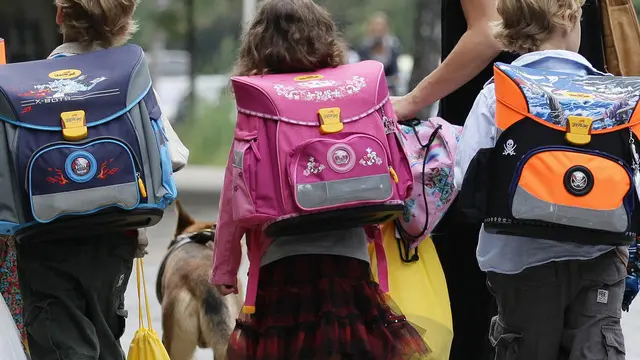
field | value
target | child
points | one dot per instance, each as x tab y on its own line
74	288
556	300
316	299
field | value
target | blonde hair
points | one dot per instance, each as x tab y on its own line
526	24
289	36
103	23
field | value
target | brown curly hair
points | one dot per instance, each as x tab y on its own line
289	36
102	23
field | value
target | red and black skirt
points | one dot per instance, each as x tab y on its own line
319	307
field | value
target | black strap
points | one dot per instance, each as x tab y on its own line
405	240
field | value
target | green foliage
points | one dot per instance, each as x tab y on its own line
218	26
209	131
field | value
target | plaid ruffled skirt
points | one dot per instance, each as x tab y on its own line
317	307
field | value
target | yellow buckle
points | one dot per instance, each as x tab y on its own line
74	125
330	121
578	128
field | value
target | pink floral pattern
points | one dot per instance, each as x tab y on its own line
332	90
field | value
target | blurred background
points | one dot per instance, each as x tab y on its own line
191	45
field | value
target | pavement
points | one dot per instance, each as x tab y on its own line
199	189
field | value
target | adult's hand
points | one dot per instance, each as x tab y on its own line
404	107
225	290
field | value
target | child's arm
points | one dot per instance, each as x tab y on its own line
179	153
227	250
479	132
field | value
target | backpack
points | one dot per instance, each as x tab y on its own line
317	151
431	146
83	143
565	165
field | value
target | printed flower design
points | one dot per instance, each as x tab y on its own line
313	167
350	87
407	213
371	158
439	185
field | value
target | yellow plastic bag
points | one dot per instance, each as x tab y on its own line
419	289
146	344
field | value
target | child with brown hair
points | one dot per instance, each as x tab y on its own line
556	300
315	298
73	288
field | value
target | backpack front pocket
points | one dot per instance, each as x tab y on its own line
573	187
328	173
69	179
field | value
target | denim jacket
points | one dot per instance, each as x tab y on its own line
511	254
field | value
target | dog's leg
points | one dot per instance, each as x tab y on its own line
180	325
220	345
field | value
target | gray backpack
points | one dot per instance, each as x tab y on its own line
84	149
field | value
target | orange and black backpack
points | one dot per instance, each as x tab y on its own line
565	159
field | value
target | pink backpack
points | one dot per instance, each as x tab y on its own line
317	151
431	146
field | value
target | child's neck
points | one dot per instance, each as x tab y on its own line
555	43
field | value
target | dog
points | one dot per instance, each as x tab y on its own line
193	313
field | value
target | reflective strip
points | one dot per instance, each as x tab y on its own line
80	202
527	207
336	192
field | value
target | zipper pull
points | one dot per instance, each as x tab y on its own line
393	174
143	189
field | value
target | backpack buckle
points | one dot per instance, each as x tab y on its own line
330	120
578	128
74	125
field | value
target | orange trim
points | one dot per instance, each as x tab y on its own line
3	52
636	128
511	106
509	95
543	177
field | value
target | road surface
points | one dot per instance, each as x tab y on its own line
160	237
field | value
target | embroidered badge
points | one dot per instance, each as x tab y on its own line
341	158
509	148
371	158
313	167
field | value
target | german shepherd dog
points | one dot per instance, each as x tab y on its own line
193	313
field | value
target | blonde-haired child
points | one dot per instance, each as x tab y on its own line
551	295
73	288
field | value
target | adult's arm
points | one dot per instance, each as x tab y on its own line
473	52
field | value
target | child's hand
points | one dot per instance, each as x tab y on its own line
225	290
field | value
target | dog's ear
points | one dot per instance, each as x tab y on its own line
184	219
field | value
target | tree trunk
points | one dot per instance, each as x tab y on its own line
29	28
426	56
